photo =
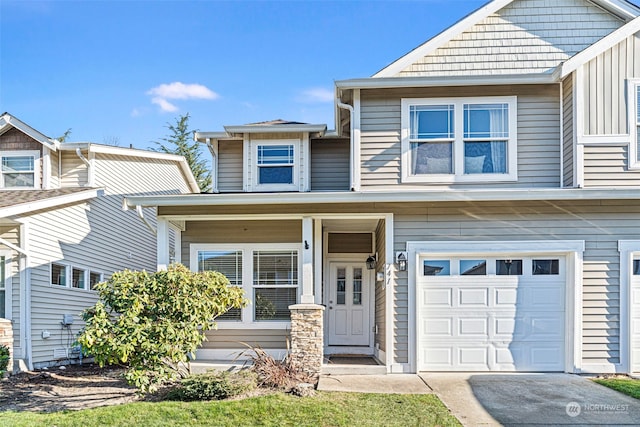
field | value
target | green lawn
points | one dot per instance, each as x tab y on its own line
324	409
627	386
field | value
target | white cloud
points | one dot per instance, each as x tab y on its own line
316	95
178	90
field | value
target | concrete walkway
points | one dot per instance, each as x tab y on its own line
396	383
479	399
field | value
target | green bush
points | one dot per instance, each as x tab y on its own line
5	355
213	386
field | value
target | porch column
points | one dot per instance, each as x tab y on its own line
307	261
162	238
307	344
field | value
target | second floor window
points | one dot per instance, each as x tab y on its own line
18	170
275	164
459	139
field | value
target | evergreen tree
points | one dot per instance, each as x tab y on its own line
180	142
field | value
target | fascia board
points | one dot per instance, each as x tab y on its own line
600	46
274	128
382	197
50	143
442	38
49	203
400	82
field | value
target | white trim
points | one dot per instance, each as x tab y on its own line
390	288
253	178
633	85
561	132
37	159
458	174
8	120
417	195
247	250
247	170
600	46
7	280
238	354
442	38
277	128
305	153
49	202
357	132
177	242
573	249
46	168
604	140
578	109
318	244
67	274
422	81
627	249
305	276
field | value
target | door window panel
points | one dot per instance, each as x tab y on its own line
357	286
341	286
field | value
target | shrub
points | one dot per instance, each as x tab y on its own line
152	322
279	374
213	386
5	356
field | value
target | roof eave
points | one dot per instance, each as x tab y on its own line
401	82
50	202
8	120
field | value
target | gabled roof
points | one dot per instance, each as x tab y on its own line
271	126
20	202
7	121
620	8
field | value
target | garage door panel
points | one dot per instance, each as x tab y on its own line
505	297
472	357
438	326
437	297
473	327
470	297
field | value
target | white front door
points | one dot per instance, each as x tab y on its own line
348	305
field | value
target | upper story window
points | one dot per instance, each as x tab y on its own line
19	169
275	165
459	139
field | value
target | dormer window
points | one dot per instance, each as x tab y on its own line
275	164
19	169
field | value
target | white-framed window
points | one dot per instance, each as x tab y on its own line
452	140
5	285
276	165
19	169
78	278
95	277
59	274
634	123
269	274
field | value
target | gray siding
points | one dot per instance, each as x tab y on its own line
12	235
289	231
538	134
605	88
567	129
600	223
329	165
527	36
74	172
237	338
380	289
607	166
230	166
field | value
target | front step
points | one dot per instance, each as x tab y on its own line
337	369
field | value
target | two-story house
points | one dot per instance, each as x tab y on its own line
63	230
476	209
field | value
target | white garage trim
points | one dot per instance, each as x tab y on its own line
571	249
627	248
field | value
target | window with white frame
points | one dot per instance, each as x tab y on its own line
635	123
269	274
78	278
19	169
94	278
71	276
459	139
58	274
275	165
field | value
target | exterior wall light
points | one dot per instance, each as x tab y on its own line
371	262
401	261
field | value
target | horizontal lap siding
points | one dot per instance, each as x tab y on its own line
329	165
54	157
240	232
528	36
74	171
239	339
600	224
605	88
607	165
538	134
230	166
567	129
12	235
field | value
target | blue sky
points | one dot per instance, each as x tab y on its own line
118	71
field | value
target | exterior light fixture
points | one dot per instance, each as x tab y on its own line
401	261
371	262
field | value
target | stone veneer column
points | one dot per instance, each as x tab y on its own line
307	344
6	338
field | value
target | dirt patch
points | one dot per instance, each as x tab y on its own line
75	387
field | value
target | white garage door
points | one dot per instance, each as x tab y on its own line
480	313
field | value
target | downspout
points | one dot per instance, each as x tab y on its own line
143	219
214	165
88	163
348	107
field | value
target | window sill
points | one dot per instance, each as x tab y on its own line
461	179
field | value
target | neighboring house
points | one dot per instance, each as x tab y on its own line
492	174
63	229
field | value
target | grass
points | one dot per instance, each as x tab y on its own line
627	386
324	409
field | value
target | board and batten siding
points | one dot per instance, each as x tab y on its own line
12	235
527	36
605	87
568	146
607	166
600	223
230	166
329	165
538	135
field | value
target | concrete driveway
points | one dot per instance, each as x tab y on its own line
479	399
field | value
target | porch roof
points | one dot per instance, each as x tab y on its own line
235	199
